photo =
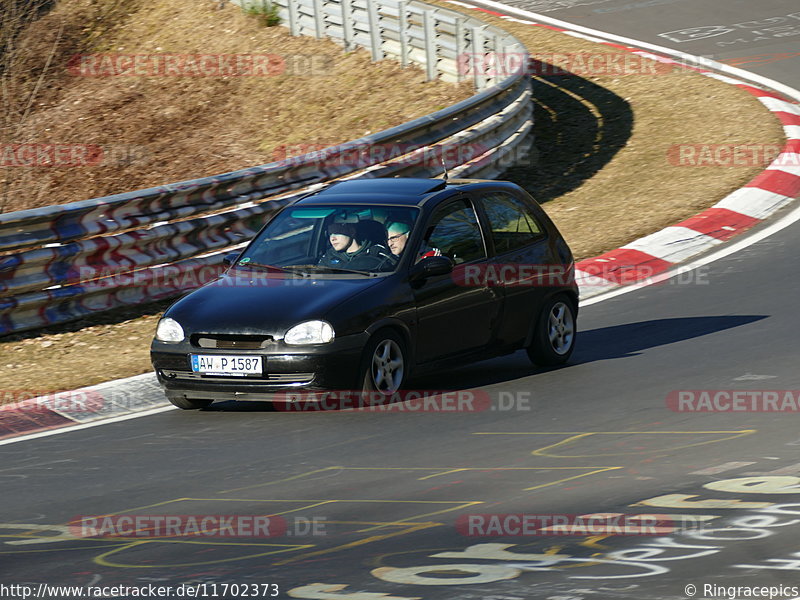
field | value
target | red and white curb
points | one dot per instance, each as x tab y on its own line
774	188
60	412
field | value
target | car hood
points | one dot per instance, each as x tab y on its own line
248	302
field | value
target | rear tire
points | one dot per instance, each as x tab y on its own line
189	403
554	338
384	366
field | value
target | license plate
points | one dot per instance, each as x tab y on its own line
237	366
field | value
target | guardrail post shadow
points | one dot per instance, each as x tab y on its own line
429	29
375	32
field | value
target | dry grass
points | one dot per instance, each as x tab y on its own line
602	157
168	128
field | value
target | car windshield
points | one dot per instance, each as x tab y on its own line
341	239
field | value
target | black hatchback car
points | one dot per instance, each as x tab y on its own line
361	284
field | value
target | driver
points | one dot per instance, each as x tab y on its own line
347	252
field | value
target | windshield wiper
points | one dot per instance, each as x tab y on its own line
331	269
260	266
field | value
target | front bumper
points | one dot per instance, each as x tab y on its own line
333	366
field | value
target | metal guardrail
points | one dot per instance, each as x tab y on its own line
60	263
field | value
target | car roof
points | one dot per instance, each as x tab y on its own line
405	191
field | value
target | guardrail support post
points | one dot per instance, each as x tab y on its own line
375	30
401	7
429	27
347	25
319	20
462	59
478	57
294	22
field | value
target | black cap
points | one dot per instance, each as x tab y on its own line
348	229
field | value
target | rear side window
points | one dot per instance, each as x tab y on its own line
454	231
512	222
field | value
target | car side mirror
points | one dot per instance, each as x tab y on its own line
430	267
229	259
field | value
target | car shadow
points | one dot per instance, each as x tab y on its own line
578	128
630	339
604	343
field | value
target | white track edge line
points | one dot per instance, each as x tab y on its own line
70	428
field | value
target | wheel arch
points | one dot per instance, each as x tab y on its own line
570	295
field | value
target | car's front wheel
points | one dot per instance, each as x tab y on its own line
384	367
189	403
554	338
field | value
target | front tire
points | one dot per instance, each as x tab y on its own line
384	365
554	338
189	403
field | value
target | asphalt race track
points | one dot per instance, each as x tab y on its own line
379	502
761	37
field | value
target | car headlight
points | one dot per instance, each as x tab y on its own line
310	332
169	330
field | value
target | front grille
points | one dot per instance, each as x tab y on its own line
232	342
273	378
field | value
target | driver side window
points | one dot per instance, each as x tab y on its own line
454	231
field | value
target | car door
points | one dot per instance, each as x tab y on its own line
453	318
522	267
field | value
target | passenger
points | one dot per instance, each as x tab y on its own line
347	252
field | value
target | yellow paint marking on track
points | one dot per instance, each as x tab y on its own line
369	540
67	548
308	506
283	480
430	514
594	542
387	523
442	473
565	479
130	510
575	436
507	469
102	560
313	503
336	500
